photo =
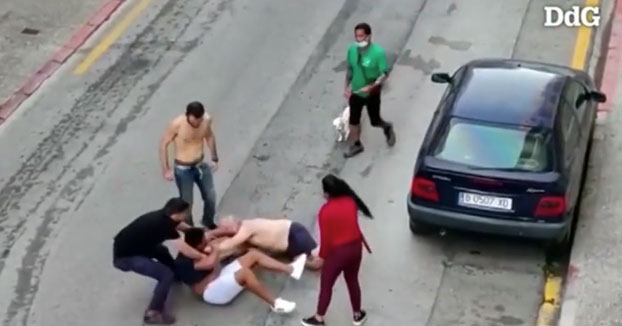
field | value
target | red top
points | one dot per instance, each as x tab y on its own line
338	222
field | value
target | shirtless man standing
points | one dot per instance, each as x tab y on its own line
188	132
278	236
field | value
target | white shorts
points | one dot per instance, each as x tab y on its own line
224	288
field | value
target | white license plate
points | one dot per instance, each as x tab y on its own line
483	201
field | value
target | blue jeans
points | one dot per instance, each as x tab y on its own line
159	267
186	176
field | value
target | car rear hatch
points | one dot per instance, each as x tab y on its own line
489	193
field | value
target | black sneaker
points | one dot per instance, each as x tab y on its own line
389	133
312	321
158	318
354	150
360	319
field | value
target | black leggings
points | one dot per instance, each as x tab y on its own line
346	259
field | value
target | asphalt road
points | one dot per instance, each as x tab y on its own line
80	160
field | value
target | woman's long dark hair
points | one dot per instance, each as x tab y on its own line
335	187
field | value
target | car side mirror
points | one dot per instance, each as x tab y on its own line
581	99
441	78
598	96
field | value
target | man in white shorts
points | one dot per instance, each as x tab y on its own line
220	285
279	236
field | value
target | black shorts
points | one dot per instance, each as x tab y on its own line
299	241
372	103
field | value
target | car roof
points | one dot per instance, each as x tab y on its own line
511	92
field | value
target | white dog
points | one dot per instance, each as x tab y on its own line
342	125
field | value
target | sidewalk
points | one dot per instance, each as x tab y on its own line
34	32
593	293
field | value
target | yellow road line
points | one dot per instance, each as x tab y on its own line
112	37
553	284
582	43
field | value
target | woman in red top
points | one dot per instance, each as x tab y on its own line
341	247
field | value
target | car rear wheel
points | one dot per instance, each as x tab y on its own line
559	246
421	228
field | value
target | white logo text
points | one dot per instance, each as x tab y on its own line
575	17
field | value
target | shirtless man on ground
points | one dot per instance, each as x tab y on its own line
220	285
189	132
278	236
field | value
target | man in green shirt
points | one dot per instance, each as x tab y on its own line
367	70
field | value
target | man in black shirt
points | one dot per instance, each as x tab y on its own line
139	248
220	285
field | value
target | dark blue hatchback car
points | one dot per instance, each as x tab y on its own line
505	151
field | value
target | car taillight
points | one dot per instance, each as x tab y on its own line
551	206
424	188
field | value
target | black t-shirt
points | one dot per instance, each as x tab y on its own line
186	271
144	234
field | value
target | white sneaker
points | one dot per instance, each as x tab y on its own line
283	306
299	266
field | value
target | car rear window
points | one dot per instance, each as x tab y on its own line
496	147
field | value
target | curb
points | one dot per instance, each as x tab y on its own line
569	307
556	299
608	85
79	37
612	61
551	302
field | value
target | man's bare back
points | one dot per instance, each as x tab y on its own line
277	236
268	234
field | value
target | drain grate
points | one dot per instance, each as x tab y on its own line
30	31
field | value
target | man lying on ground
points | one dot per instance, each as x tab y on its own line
279	236
220	285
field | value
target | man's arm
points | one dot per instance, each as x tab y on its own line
183	227
220	232
384	73
210	138
169	135
239	238
187	250
381	79
348	71
208	261
348	77
383	68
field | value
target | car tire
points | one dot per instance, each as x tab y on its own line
421	228
559	246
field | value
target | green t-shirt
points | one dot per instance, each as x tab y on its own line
372	64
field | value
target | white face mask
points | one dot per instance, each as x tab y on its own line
362	44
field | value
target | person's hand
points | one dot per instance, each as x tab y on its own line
209	237
214	166
208	249
366	89
168	174
347	92
230	228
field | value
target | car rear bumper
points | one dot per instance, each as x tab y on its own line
467	222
